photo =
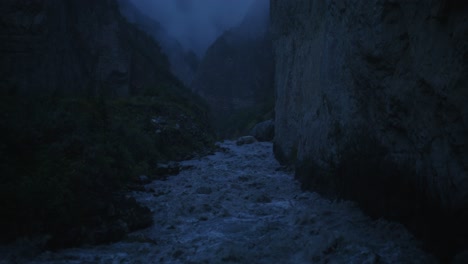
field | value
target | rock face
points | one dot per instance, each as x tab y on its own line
237	70
371	105
75	48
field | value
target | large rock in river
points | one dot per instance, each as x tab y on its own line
264	131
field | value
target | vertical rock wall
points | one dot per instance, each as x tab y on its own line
372	105
236	73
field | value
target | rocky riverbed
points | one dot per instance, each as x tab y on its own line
239	206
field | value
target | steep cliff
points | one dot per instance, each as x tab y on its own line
183	64
75	47
237	71
371	105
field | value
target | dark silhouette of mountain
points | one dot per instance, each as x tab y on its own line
236	73
183	64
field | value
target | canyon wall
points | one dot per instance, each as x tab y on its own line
75	48
371	105
183	64
236	74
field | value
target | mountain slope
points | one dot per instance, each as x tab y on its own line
88	106
236	74
75	47
183	64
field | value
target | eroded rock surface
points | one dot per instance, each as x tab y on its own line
371	105
236	207
264	131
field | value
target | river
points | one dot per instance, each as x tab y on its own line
240	206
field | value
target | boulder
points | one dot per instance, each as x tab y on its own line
171	168
264	131
143	179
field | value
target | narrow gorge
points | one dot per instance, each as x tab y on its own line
254	131
371	106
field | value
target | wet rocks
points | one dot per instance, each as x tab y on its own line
204	190
211	222
165	169
244	178
245	140
263	198
264	131
143	179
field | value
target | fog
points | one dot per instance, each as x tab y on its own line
195	23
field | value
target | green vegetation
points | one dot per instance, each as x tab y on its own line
239	123
63	160
82	119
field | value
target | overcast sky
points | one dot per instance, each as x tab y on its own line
195	23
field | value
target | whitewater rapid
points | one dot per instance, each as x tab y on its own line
239	206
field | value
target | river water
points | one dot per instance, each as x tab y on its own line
239	206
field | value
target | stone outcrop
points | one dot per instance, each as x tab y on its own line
264	131
237	70
371	104
75	48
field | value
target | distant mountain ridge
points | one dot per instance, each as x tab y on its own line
236	73
183	64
